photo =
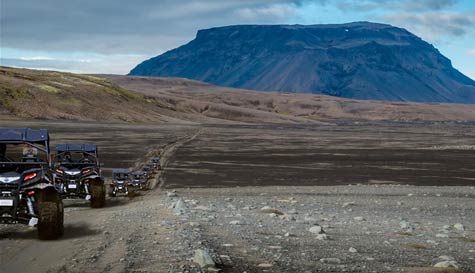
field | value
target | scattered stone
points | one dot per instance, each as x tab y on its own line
459	227
316	230
359	218
322	237
352	250
203	258
235	222
447	264
406	226
171	194
347	204
179	207
270	210
264	265
442	235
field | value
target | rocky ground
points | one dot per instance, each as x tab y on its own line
357	228
257	199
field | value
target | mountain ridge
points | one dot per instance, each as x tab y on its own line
358	60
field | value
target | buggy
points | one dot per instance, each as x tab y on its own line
148	169
77	173
121	182
27	192
155	161
139	179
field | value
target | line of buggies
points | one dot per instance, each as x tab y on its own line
33	182
127	182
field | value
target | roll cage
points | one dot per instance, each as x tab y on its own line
38	139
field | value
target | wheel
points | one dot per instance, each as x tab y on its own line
98	195
50	215
130	191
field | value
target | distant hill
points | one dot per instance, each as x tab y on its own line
33	94
356	60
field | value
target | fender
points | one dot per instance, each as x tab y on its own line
40	186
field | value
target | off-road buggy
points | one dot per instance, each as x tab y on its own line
139	179
27	193
155	161
77	173
121	182
148	169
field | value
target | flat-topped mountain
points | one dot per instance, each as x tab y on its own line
356	60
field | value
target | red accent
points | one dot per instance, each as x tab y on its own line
86	171
59	180
86	181
29	176
59	171
30	193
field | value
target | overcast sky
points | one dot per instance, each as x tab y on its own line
112	36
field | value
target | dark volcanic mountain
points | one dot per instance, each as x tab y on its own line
356	60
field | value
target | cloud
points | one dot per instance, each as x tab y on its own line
470	52
101	64
122	27
275	12
434	25
395	5
427	4
36	58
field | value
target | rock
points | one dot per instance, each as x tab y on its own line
267	209
442	235
347	204
179	207
330	260
171	194
352	250
292	211
322	237
121	259
264	265
447	264
316	230
235	222
459	227
203	258
406	226
359	218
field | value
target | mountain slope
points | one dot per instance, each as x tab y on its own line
356	60
32	94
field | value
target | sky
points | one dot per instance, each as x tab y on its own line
112	36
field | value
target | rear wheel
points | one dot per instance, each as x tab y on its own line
130	191
98	195
50	215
